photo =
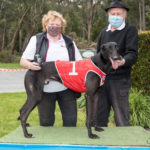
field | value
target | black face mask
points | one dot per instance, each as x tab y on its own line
53	31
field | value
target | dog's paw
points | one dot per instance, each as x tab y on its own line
99	129
94	136
27	125
29	136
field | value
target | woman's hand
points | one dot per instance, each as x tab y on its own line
27	64
34	66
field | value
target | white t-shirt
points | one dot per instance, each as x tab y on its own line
56	51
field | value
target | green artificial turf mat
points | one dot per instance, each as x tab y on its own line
112	136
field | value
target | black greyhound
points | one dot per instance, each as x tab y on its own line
35	80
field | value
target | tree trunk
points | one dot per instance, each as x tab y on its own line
142	21
25	42
18	29
20	41
90	17
143	10
140	14
3	39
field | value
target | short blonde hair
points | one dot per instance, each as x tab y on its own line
52	15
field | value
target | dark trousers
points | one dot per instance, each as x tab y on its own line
68	106
114	94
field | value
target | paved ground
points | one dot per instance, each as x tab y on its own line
12	81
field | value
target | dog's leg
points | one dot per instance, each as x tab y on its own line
89	105
95	109
22	111
92	87
34	86
24	115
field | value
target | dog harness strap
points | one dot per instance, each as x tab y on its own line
73	73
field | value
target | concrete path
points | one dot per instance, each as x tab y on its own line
12	81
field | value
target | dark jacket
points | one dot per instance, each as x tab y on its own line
127	39
42	46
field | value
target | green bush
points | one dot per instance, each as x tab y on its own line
81	101
139	109
141	70
6	56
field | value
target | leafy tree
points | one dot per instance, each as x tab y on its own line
19	21
98	25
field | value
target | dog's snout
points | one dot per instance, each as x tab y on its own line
117	58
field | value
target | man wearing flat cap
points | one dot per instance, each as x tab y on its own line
115	91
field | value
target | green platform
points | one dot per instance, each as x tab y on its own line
112	136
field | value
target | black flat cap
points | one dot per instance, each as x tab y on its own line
117	4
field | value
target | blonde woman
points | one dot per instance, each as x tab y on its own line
53	45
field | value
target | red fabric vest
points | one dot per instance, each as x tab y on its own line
73	73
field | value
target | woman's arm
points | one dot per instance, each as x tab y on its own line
28	55
27	64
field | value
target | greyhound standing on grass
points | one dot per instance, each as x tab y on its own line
95	70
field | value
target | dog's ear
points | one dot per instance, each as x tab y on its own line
103	48
38	59
117	46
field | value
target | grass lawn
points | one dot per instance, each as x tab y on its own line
10	103
10	66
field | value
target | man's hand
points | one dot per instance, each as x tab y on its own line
121	62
